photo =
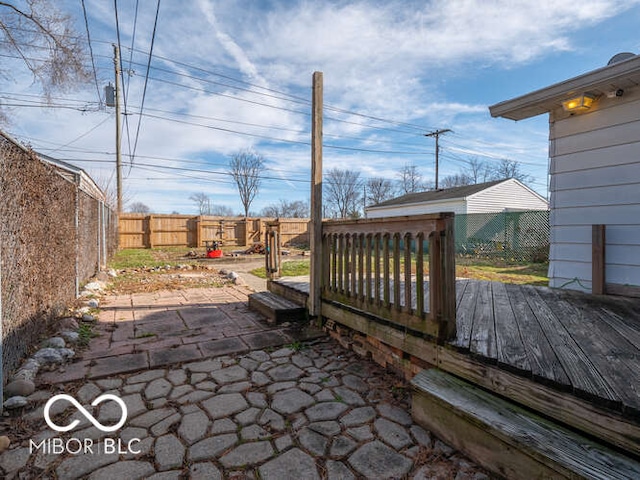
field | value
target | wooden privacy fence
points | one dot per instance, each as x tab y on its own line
149	231
378	266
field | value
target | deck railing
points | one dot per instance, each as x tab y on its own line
378	266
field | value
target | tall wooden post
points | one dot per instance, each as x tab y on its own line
598	282
315	240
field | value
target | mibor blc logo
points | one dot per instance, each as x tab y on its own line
75	446
83	411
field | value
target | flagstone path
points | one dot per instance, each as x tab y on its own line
244	407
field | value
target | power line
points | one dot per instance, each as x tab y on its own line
146	79
124	92
93	63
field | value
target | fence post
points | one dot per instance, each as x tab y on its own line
150	230
199	231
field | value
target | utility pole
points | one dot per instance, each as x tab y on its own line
315	240
116	63
437	134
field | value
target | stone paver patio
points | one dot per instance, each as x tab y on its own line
213	392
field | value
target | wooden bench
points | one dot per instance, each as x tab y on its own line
276	309
506	438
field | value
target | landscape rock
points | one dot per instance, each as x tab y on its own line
15	402
93	303
28	371
48	356
88	318
20	387
4	443
70	337
54	342
68	324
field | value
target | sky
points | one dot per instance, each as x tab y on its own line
226	76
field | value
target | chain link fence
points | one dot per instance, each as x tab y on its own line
509	236
55	233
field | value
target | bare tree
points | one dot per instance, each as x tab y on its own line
510	169
378	189
343	192
45	40
221	211
478	171
410	180
286	209
139	207
456	180
203	203
245	167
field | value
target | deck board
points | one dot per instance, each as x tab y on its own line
545	366
573	342
604	346
584	377
483	336
464	315
511	351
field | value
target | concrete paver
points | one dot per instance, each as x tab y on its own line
235	408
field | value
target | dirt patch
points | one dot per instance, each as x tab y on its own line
145	280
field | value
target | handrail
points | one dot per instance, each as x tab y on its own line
377	266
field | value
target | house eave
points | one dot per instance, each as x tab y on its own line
624	74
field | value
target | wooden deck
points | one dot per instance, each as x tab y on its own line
586	345
566	342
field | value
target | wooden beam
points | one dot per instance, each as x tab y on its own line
315	237
598	259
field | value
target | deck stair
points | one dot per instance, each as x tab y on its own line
508	439
276	308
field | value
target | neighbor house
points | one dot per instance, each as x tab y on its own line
594	147
496	196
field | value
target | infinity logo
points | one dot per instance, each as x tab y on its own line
88	416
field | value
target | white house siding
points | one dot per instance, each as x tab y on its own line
455	206
595	179
509	195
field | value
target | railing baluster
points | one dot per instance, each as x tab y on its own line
368	278
386	270
334	265
326	255
376	265
340	263
361	266
420	274
354	265
408	303
397	281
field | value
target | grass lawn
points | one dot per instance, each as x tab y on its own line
498	270
521	273
292	268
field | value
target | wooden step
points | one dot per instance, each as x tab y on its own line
276	308
506	438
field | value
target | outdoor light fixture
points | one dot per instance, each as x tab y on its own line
583	102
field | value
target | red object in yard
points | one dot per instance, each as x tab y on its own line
214	253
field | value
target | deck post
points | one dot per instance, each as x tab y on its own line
315	239
598	286
442	278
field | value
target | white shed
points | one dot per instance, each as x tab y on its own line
498	196
594	133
